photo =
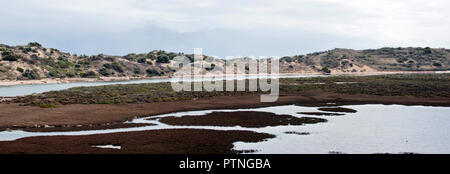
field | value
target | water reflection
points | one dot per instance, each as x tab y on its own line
373	129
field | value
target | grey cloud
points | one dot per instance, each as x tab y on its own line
224	28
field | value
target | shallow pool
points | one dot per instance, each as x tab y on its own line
372	129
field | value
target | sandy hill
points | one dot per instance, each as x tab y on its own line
33	61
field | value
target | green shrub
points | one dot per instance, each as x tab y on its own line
117	67
153	72
401	60
286	59
104	72
330	62
30	75
27	49
63	58
141	60
131	56
70	74
20	69
34	44
44	105
88	74
10	56
163	59
64	64
326	70
437	64
427	50
136	71
53	73
107	66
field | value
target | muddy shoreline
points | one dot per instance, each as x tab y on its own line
79	117
16	116
165	141
248	119
68	128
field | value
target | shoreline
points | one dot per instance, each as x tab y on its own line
162	141
15	116
5	83
69	80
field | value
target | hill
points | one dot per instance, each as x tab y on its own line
383	59
33	61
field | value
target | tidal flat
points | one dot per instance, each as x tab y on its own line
378	114
393	129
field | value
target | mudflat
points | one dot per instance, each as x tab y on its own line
14	115
241	118
165	141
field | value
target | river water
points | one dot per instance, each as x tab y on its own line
373	129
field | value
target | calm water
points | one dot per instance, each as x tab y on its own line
373	129
20	90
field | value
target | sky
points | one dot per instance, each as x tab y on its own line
226	27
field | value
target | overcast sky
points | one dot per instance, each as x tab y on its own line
226	27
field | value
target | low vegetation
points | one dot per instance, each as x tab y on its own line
119	94
418	85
